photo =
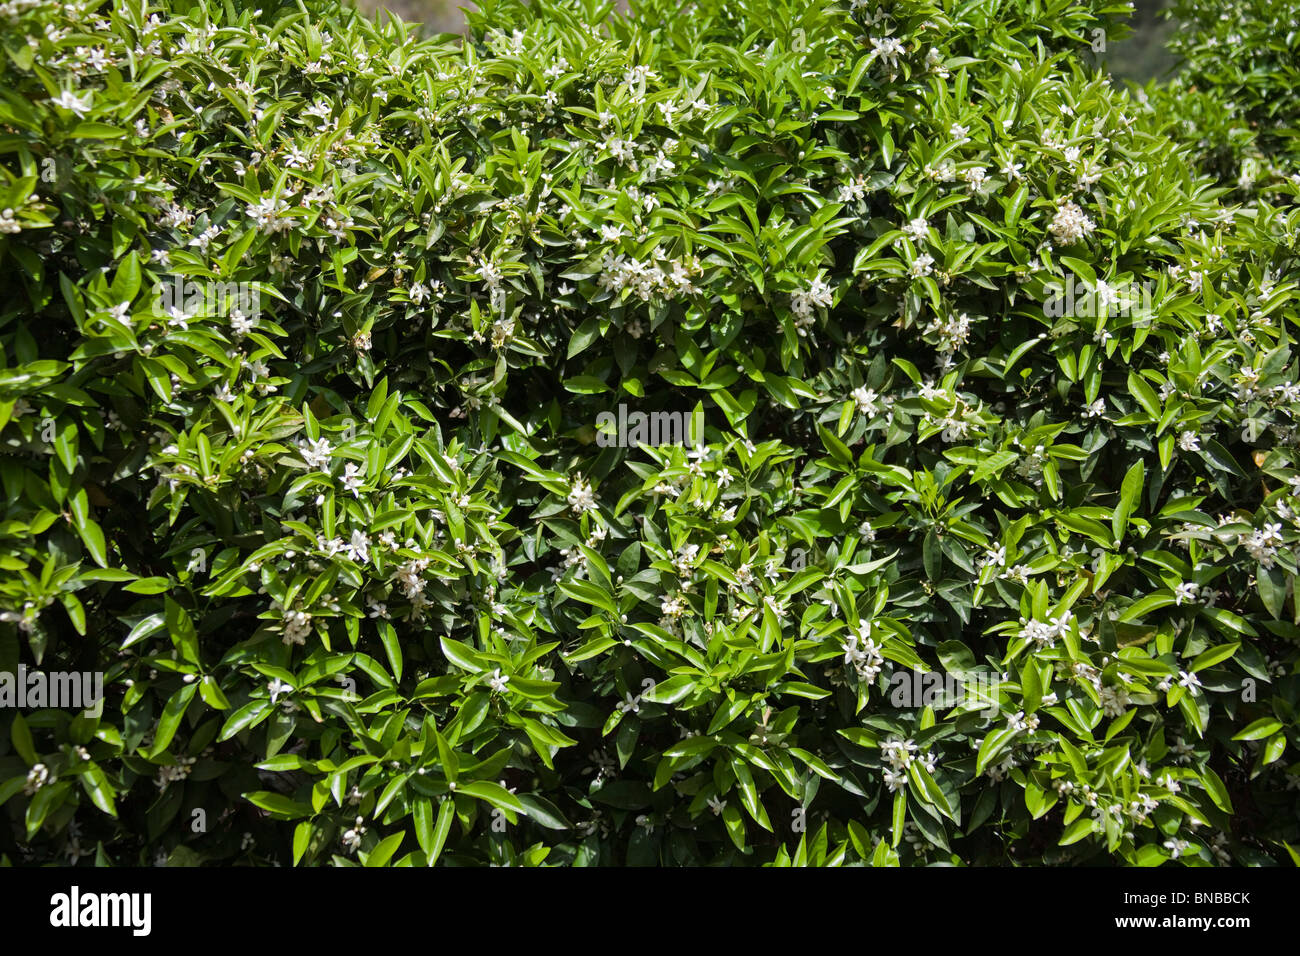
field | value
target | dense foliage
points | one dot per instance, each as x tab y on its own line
1237	87
312	331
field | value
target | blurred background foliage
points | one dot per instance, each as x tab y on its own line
1140	57
438	16
1143	56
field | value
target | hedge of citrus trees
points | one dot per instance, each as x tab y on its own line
319	341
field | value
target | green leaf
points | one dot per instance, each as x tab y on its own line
1214	655
1218	792
392	648
278	805
423	817
1080	268
1271	586
302	834
384	850
170	721
95	782
181	628
735	825
585	385
1129	492
212	694
493	793
21	737
670	691
462	655
995	741
91	130
249	715
443	827
1149	603
900	817
543	812
93	537
749	794
1259	728
587	333
1077	830
1146	396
